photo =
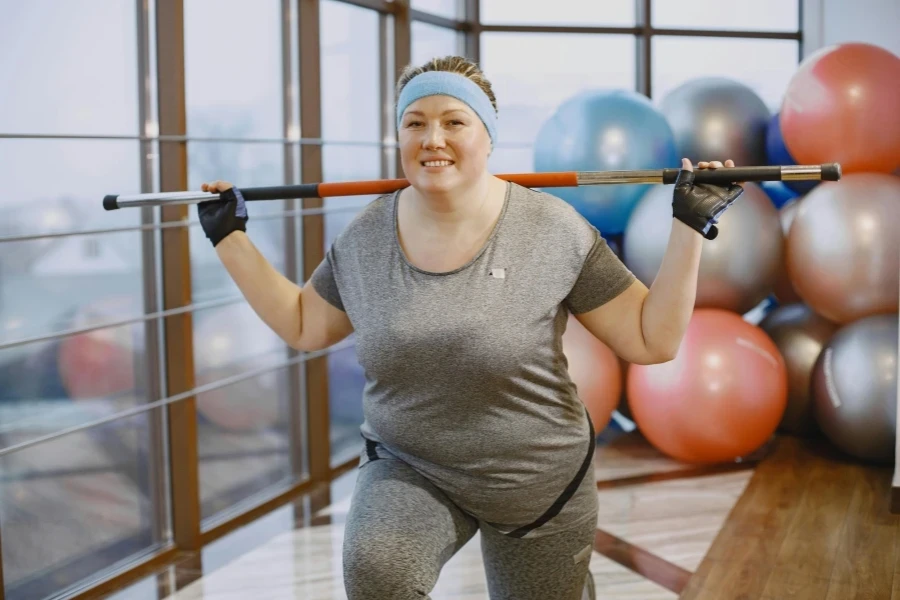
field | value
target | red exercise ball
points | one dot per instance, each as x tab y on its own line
595	369
842	106
721	397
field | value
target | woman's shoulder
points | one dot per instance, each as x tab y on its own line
373	220
542	211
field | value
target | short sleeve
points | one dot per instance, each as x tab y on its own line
324	282
603	276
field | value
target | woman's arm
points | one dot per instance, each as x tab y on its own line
646	326
300	317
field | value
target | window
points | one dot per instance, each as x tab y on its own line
233	76
452	9
761	15
533	73
774	63
243	428
76	505
609	13
68	67
50	285
429	41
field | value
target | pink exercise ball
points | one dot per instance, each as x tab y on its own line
595	370
842	106
721	398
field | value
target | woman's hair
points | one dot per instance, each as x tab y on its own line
452	64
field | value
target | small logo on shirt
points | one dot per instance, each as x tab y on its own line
498	273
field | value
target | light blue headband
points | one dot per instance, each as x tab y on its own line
444	83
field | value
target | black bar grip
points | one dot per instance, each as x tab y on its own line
111	202
727	175
278	192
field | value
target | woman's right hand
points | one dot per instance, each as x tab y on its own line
216	186
220	218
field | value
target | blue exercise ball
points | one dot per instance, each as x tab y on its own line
605	130
778	192
778	154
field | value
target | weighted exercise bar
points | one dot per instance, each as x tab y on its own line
722	176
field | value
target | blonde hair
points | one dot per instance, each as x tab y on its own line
451	64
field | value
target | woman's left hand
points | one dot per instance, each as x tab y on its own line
700	205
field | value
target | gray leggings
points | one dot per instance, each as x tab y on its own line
402	530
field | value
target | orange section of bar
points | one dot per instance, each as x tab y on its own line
354	188
557	179
385	186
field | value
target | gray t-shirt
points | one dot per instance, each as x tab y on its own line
466	379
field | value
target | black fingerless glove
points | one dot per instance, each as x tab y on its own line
699	206
220	218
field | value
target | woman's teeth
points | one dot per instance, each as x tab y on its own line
438	163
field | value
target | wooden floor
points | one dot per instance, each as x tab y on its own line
810	525
795	521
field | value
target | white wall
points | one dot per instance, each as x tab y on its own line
827	22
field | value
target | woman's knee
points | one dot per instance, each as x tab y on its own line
373	572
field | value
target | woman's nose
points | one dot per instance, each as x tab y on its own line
434	138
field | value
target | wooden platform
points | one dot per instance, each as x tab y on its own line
810	525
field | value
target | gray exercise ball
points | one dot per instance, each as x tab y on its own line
855	388
738	269
715	118
800	335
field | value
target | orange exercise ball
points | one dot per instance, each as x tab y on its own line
595	370
722	396
103	363
842	106
843	250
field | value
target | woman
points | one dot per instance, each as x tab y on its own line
459	288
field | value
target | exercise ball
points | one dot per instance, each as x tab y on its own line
595	370
228	341
843	249
103	363
604	130
715	118
778	192
855	388
777	154
800	334
721	397
842	106
738	269
784	289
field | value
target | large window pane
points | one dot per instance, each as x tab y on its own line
452	9
243	427
55	284
351	105
768	74
244	165
430	41
761	15
75	506
533	73
233	77
609	13
68	67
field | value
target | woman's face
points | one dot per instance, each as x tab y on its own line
443	144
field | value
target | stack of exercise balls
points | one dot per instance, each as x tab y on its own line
819	261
